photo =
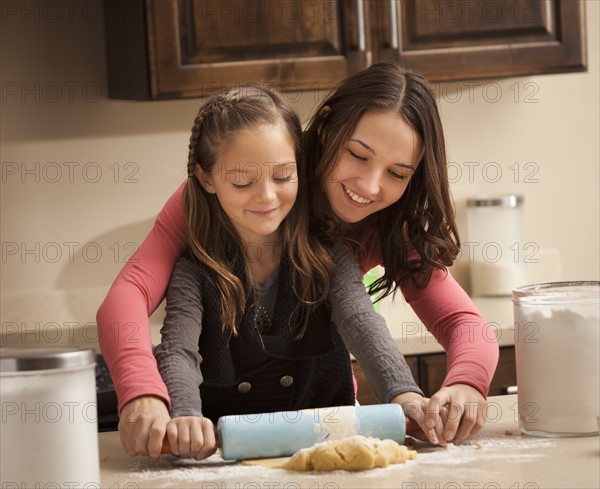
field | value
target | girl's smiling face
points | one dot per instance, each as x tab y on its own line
255	180
374	167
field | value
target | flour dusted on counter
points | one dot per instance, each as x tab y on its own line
172	471
484	447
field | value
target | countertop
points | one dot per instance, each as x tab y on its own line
25	320
412	336
497	457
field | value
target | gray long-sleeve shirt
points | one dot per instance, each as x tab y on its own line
363	331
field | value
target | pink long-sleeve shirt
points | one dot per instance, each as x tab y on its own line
124	328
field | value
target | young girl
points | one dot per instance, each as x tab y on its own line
247	317
378	179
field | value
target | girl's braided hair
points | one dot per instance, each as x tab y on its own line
208	227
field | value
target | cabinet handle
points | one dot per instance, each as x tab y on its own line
393	10
511	389
360	24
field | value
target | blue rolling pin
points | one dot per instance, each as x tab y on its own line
283	433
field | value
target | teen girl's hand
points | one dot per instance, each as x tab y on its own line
142	426
415	409
192	437
461	408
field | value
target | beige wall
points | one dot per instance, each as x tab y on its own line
83	176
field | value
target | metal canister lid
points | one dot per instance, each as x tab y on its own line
508	200
44	358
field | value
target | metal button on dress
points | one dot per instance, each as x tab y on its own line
286	381
244	387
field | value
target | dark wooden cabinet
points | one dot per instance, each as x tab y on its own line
432	372
429	372
158	49
450	40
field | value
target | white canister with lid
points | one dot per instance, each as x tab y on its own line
49	430
495	244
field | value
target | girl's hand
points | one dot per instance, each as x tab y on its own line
142	426
461	408
415	408
192	437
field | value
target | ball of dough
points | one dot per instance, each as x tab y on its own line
352	453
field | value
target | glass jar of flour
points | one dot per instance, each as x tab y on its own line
495	244
557	328
49	433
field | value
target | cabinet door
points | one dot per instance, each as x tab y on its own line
505	378
429	372
462	39
432	372
195	47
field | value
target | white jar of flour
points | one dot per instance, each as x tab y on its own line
495	244
49	435
557	328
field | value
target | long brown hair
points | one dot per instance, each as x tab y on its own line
209	229
424	216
